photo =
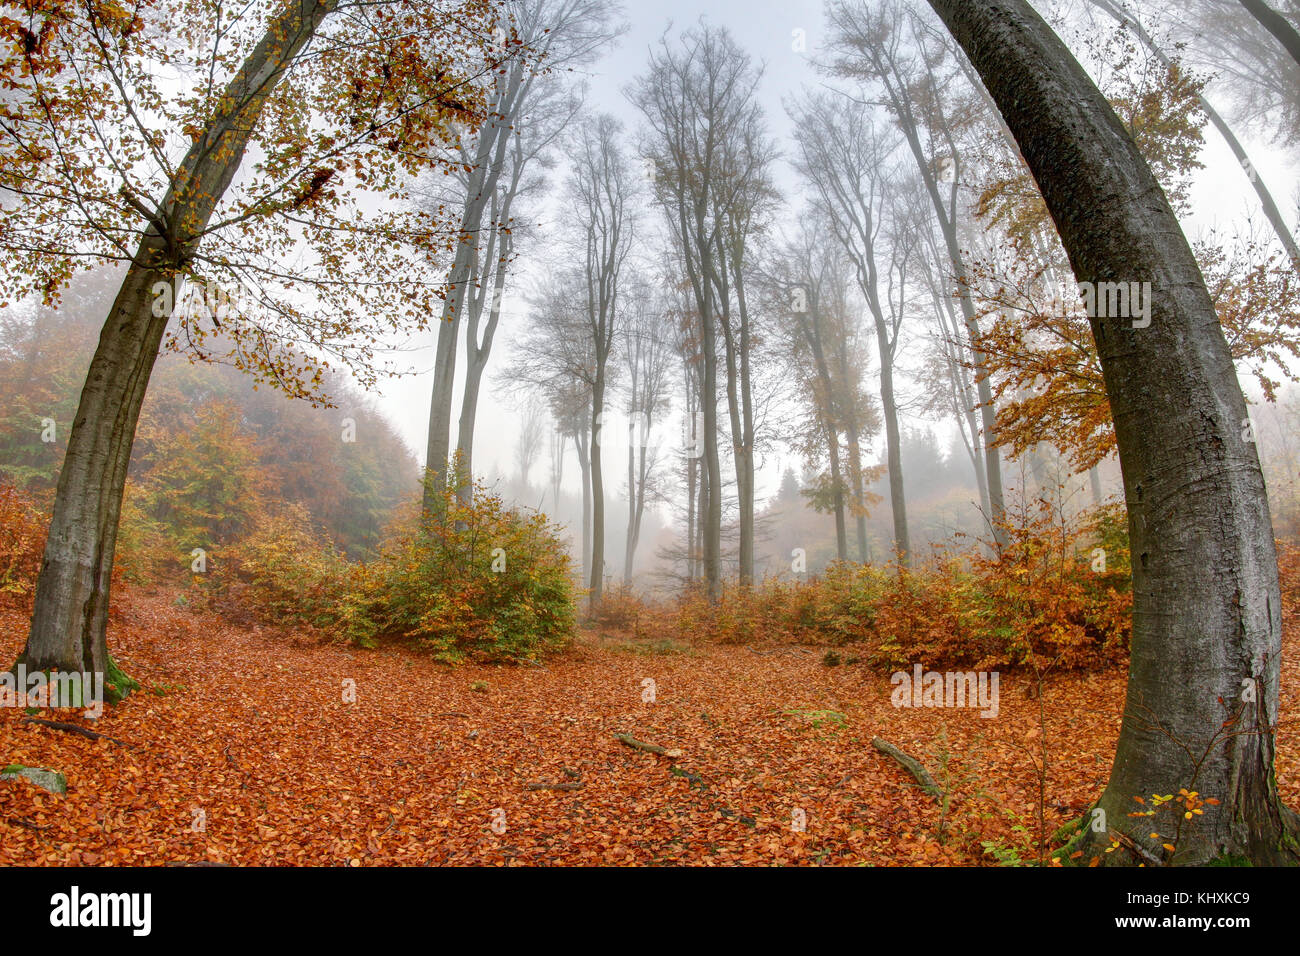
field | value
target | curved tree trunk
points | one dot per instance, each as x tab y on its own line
1276	24
1207	611
70	615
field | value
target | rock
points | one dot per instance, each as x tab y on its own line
51	780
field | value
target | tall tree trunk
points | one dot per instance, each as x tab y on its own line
1276	24
476	359
481	185
70	615
746	445
474	369
692	467
893	452
1207	631
581	444
859	492
438	449
837	481
597	579
712	480
638	474
69	620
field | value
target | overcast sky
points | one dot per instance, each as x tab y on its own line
770	30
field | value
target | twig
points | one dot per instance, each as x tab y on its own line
543	785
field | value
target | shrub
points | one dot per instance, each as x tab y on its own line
620	609
283	570
475	580
1038	598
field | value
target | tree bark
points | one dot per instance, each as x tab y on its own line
481	185
1207	610
597	580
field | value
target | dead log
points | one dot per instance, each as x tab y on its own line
630	741
75	729
911	765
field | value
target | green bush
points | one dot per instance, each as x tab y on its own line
475	580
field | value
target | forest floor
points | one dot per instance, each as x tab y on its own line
242	749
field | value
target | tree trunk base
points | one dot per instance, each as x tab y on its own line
1274	841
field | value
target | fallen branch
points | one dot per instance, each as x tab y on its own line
911	764
75	729
196	863
630	741
453	713
543	785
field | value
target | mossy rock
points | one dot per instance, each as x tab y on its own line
52	780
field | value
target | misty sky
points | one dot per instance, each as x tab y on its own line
1221	196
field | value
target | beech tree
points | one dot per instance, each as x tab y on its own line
558	35
702	145
600	188
125	133
647	351
1202	702
844	156
870	46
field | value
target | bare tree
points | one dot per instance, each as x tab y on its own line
870	47
600	189
809	281
701	148
844	156
647	354
529	441
1117	10
553	357
559	34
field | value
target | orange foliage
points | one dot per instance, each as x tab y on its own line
22	540
1037	601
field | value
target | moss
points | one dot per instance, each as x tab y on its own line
1080	830
117	684
1067	830
1229	859
13	768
